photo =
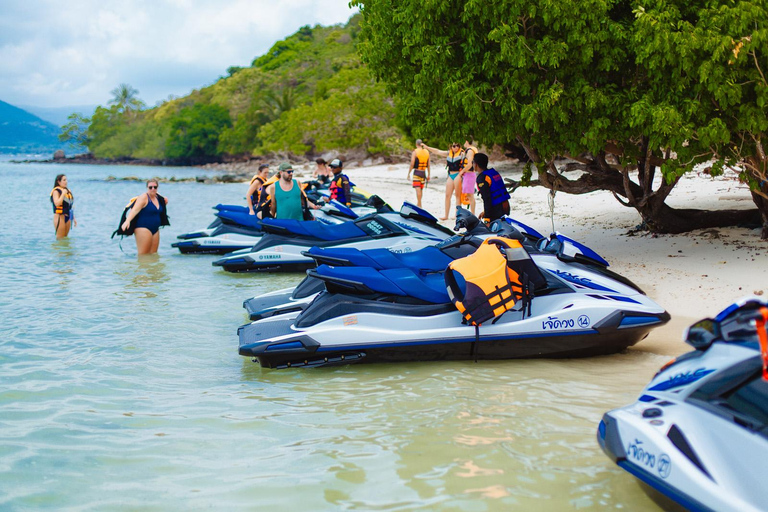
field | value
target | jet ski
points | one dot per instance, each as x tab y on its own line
574	307
286	241
235	229
432	258
697	437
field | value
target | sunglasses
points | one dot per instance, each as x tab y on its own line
288	172
152	186
454	145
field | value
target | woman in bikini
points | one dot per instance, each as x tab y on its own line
149	213
454	163
62	199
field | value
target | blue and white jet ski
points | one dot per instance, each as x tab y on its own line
697	437
234	229
429	259
365	314
286	241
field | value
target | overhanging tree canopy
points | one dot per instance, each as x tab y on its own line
607	83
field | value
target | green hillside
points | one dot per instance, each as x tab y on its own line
21	131
309	94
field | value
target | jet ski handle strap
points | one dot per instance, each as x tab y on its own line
762	336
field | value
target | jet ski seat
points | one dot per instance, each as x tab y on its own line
231	208
428	259
312	229
239	218
402	282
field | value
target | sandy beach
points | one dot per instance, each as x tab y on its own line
692	275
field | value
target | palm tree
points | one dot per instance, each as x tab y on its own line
126	98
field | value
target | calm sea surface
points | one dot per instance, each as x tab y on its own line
121	387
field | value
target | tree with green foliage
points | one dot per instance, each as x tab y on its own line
194	133
558	79
75	132
126	98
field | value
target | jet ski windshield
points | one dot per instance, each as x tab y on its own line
411	211
739	322
569	250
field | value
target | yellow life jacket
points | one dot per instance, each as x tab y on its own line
422	159
494	279
256	177
474	152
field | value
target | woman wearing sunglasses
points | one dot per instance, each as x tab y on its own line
148	213
453	164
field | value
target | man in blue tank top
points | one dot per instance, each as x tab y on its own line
288	199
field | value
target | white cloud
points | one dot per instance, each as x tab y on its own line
56	53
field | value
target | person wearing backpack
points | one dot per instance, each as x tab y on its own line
143	220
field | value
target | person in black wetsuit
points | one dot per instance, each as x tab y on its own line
149	212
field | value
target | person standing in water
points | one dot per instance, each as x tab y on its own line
288	199
468	177
421	170
255	195
148	213
62	201
322	173
453	164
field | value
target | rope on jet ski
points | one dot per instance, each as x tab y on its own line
762	335
551	201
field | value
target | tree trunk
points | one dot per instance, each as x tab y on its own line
762	206
662	218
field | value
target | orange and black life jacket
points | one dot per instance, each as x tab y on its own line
422	159
66	205
473	149
498	275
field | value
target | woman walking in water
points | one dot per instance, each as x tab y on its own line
145	217
453	164
62	199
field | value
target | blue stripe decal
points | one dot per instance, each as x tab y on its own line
454	340
664	488
647	398
633	321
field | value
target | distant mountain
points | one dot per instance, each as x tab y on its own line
21	131
59	115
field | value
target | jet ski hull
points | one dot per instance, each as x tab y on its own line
304	351
696	437
218	245
368	331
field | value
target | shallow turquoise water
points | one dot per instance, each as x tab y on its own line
121	387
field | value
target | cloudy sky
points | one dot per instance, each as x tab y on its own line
57	53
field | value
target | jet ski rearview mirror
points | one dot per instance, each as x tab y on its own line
702	334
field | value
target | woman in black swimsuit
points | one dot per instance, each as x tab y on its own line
149	212
62	200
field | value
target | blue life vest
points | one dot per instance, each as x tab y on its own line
498	190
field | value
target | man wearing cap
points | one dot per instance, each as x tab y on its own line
288	199
340	187
255	191
421	171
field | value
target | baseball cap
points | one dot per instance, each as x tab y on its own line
285	166
335	163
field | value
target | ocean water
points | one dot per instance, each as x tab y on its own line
121	387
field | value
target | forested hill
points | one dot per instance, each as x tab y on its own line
308	95
21	131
